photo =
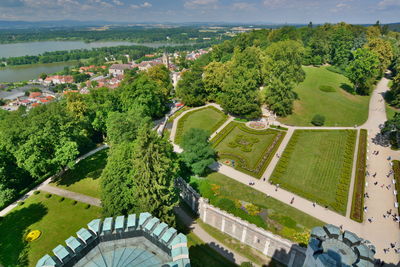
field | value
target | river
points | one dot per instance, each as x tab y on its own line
29	72
35	48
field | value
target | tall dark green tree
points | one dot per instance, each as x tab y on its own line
191	87
117	185
391	129
198	153
155	167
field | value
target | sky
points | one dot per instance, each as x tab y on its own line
244	11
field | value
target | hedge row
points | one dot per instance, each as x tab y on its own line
396	170
241	164
340	203
182	120
279	127
359	182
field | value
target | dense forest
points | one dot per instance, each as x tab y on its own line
233	73
132	34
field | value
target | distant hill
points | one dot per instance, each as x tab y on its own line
394	26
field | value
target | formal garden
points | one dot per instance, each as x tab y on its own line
255	207
208	118
357	206
49	218
247	150
84	178
317	165
328	94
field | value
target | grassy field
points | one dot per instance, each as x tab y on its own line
390	111
317	165
208	118
273	215
340	108
250	149
56	220
85	177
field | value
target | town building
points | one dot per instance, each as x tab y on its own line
330	247
119	69
135	240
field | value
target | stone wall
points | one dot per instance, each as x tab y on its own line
266	242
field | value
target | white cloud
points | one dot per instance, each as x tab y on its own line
144	5
275	3
193	4
118	3
385	4
243	6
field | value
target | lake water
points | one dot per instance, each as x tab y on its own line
35	48
29	72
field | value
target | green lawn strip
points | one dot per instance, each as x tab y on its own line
252	150
252	254
208	118
176	114
396	170
56	219
275	216
317	165
357	205
339	108
390	111
84	178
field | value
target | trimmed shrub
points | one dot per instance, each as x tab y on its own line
74	202
61	199
21	203
318	120
37	192
87	206
327	88
48	195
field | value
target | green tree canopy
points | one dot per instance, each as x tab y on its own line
198	153
191	87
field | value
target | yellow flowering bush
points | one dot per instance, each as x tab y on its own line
33	235
252	209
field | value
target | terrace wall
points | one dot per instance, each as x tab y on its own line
273	246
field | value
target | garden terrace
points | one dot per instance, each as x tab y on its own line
46	213
357	205
255	207
329	94
317	165
208	119
250	150
84	178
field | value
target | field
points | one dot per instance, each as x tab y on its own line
317	165
255	207
56	220
85	177
208	119
251	150
340	108
390	111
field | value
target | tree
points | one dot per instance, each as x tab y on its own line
341	43
198	153
117	185
213	78
6	195
155	166
280	96
391	129
394	93
122	127
318	120
143	91
43	76
161	76
362	69
190	88
384	51
80	77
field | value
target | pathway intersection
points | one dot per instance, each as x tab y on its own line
381	231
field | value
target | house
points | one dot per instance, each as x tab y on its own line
35	94
58	79
118	69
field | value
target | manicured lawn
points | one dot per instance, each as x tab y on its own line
390	111
340	108
85	177
273	215
317	165
251	150
56	220
208	118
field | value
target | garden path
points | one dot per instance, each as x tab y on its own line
45	183
381	232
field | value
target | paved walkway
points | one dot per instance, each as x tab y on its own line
45	183
382	231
